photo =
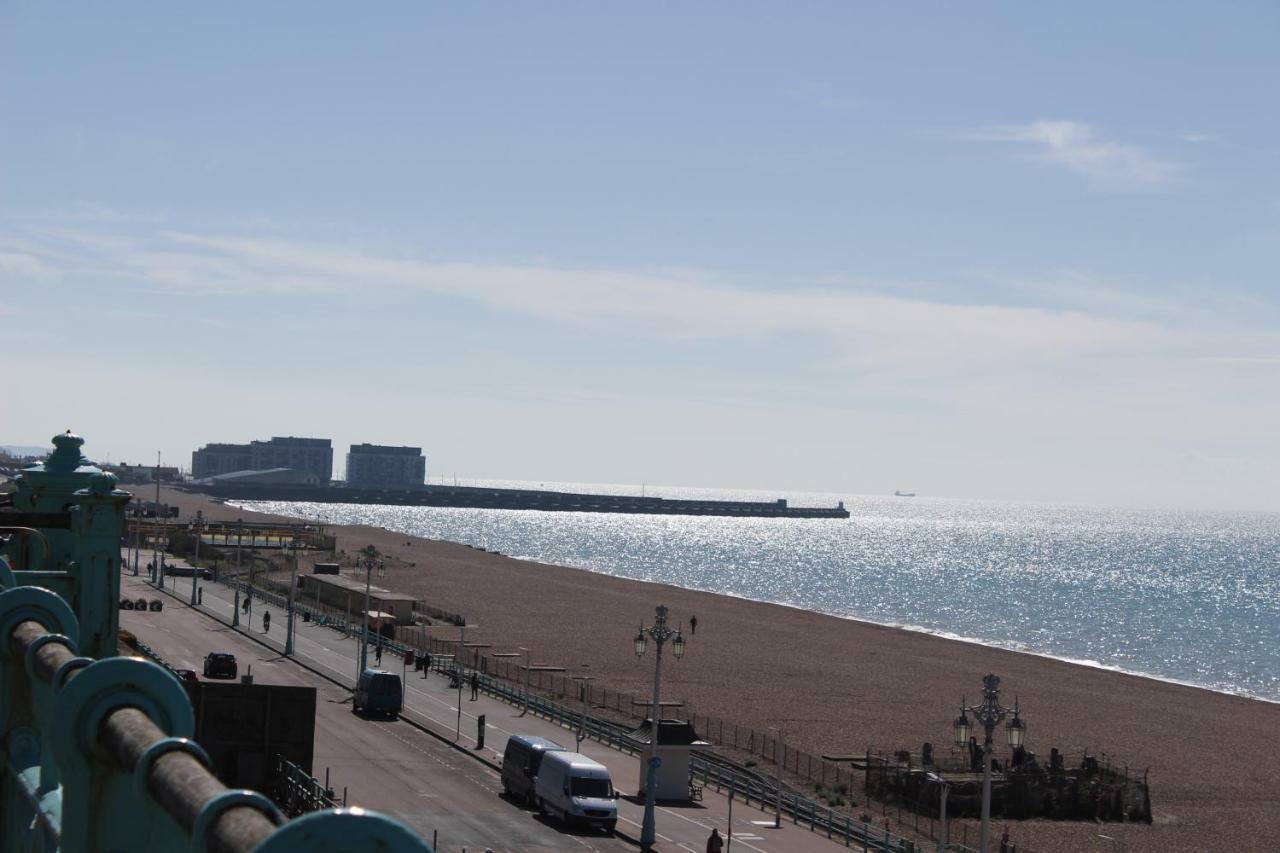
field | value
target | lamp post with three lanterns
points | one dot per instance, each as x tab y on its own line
989	714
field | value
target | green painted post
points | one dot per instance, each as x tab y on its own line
98	521
87	552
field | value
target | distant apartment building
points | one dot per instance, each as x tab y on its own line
310	455
386	467
213	459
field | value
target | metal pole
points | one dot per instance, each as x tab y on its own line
582	723
528	663
293	584
137	537
364	623
943	832
158	577
195	568
648	830
986	791
457	667
777	766
728	843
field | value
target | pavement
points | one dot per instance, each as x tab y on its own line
450	717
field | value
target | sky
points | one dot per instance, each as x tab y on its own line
988	250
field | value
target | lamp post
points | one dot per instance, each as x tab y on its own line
293	585
158	577
137	537
660	634
370	560
196	526
989	713
780	743
458	663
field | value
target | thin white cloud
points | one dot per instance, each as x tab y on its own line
1080	148
21	264
858	326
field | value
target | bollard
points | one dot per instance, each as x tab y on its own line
480	733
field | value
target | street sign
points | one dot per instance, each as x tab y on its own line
655	762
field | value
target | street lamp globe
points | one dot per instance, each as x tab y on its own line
640	641
677	645
962	729
1016	730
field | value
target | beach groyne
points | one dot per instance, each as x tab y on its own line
489	498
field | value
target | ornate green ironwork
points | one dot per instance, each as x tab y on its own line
96	749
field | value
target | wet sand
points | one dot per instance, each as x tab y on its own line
841	686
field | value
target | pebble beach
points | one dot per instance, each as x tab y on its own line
841	686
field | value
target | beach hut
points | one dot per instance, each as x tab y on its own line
676	741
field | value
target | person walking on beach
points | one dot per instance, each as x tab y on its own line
693	628
475	687
714	842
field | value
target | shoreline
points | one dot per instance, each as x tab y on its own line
840	684
917	629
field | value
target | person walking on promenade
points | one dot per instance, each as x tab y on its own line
426	667
377	655
475	687
693	624
266	621
714	842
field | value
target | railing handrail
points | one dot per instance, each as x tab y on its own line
180	784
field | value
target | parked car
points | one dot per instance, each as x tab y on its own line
186	675
220	665
378	692
520	762
577	789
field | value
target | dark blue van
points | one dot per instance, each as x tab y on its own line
378	692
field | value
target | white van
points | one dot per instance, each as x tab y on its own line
577	790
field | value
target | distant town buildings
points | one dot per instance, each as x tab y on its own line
127	473
377	466
310	456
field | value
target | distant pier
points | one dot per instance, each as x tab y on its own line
486	498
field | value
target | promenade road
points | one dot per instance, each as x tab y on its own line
430	702
388	765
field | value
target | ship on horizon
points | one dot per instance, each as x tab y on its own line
898	493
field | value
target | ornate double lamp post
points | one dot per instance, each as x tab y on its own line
370	560
660	634
989	714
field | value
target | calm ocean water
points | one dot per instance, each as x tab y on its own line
1188	596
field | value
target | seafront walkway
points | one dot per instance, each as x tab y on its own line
432	704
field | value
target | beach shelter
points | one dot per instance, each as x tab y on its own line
676	741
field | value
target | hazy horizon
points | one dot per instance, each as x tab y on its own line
979	252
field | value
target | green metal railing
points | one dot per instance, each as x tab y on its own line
298	792
96	749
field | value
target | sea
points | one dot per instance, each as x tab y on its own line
1191	597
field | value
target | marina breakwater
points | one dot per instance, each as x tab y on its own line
477	497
